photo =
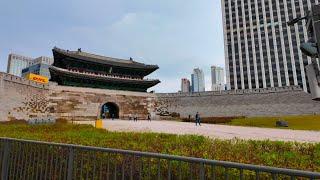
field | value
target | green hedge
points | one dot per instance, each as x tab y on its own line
302	122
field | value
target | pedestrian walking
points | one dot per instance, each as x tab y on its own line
149	118
198	119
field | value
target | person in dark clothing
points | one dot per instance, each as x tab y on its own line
149	118
112	116
198	120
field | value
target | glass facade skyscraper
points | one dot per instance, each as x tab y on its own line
197	80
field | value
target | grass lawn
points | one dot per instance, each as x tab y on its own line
304	156
304	122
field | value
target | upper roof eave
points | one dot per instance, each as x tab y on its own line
104	60
56	70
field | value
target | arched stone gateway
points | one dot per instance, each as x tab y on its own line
109	110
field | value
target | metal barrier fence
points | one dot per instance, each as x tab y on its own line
24	159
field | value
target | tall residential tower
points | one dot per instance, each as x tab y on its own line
217	78
260	49
185	85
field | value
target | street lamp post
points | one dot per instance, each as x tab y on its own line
316	25
311	48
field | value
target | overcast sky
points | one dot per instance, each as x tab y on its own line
177	35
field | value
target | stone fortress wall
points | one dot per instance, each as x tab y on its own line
257	102
21	99
85	103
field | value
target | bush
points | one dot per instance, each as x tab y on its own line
174	114
212	120
14	122
62	120
299	122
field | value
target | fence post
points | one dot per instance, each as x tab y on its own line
202	173
5	158
70	163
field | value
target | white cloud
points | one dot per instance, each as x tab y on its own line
126	20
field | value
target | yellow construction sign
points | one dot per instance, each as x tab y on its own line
38	78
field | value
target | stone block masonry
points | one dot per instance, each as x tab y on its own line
85	103
21	99
278	101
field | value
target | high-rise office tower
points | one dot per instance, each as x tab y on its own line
185	85
16	63
39	66
260	49
217	78
43	60
197	80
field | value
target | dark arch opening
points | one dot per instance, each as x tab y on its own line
109	110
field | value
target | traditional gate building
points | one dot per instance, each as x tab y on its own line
81	69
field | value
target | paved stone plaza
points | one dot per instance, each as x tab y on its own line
212	130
